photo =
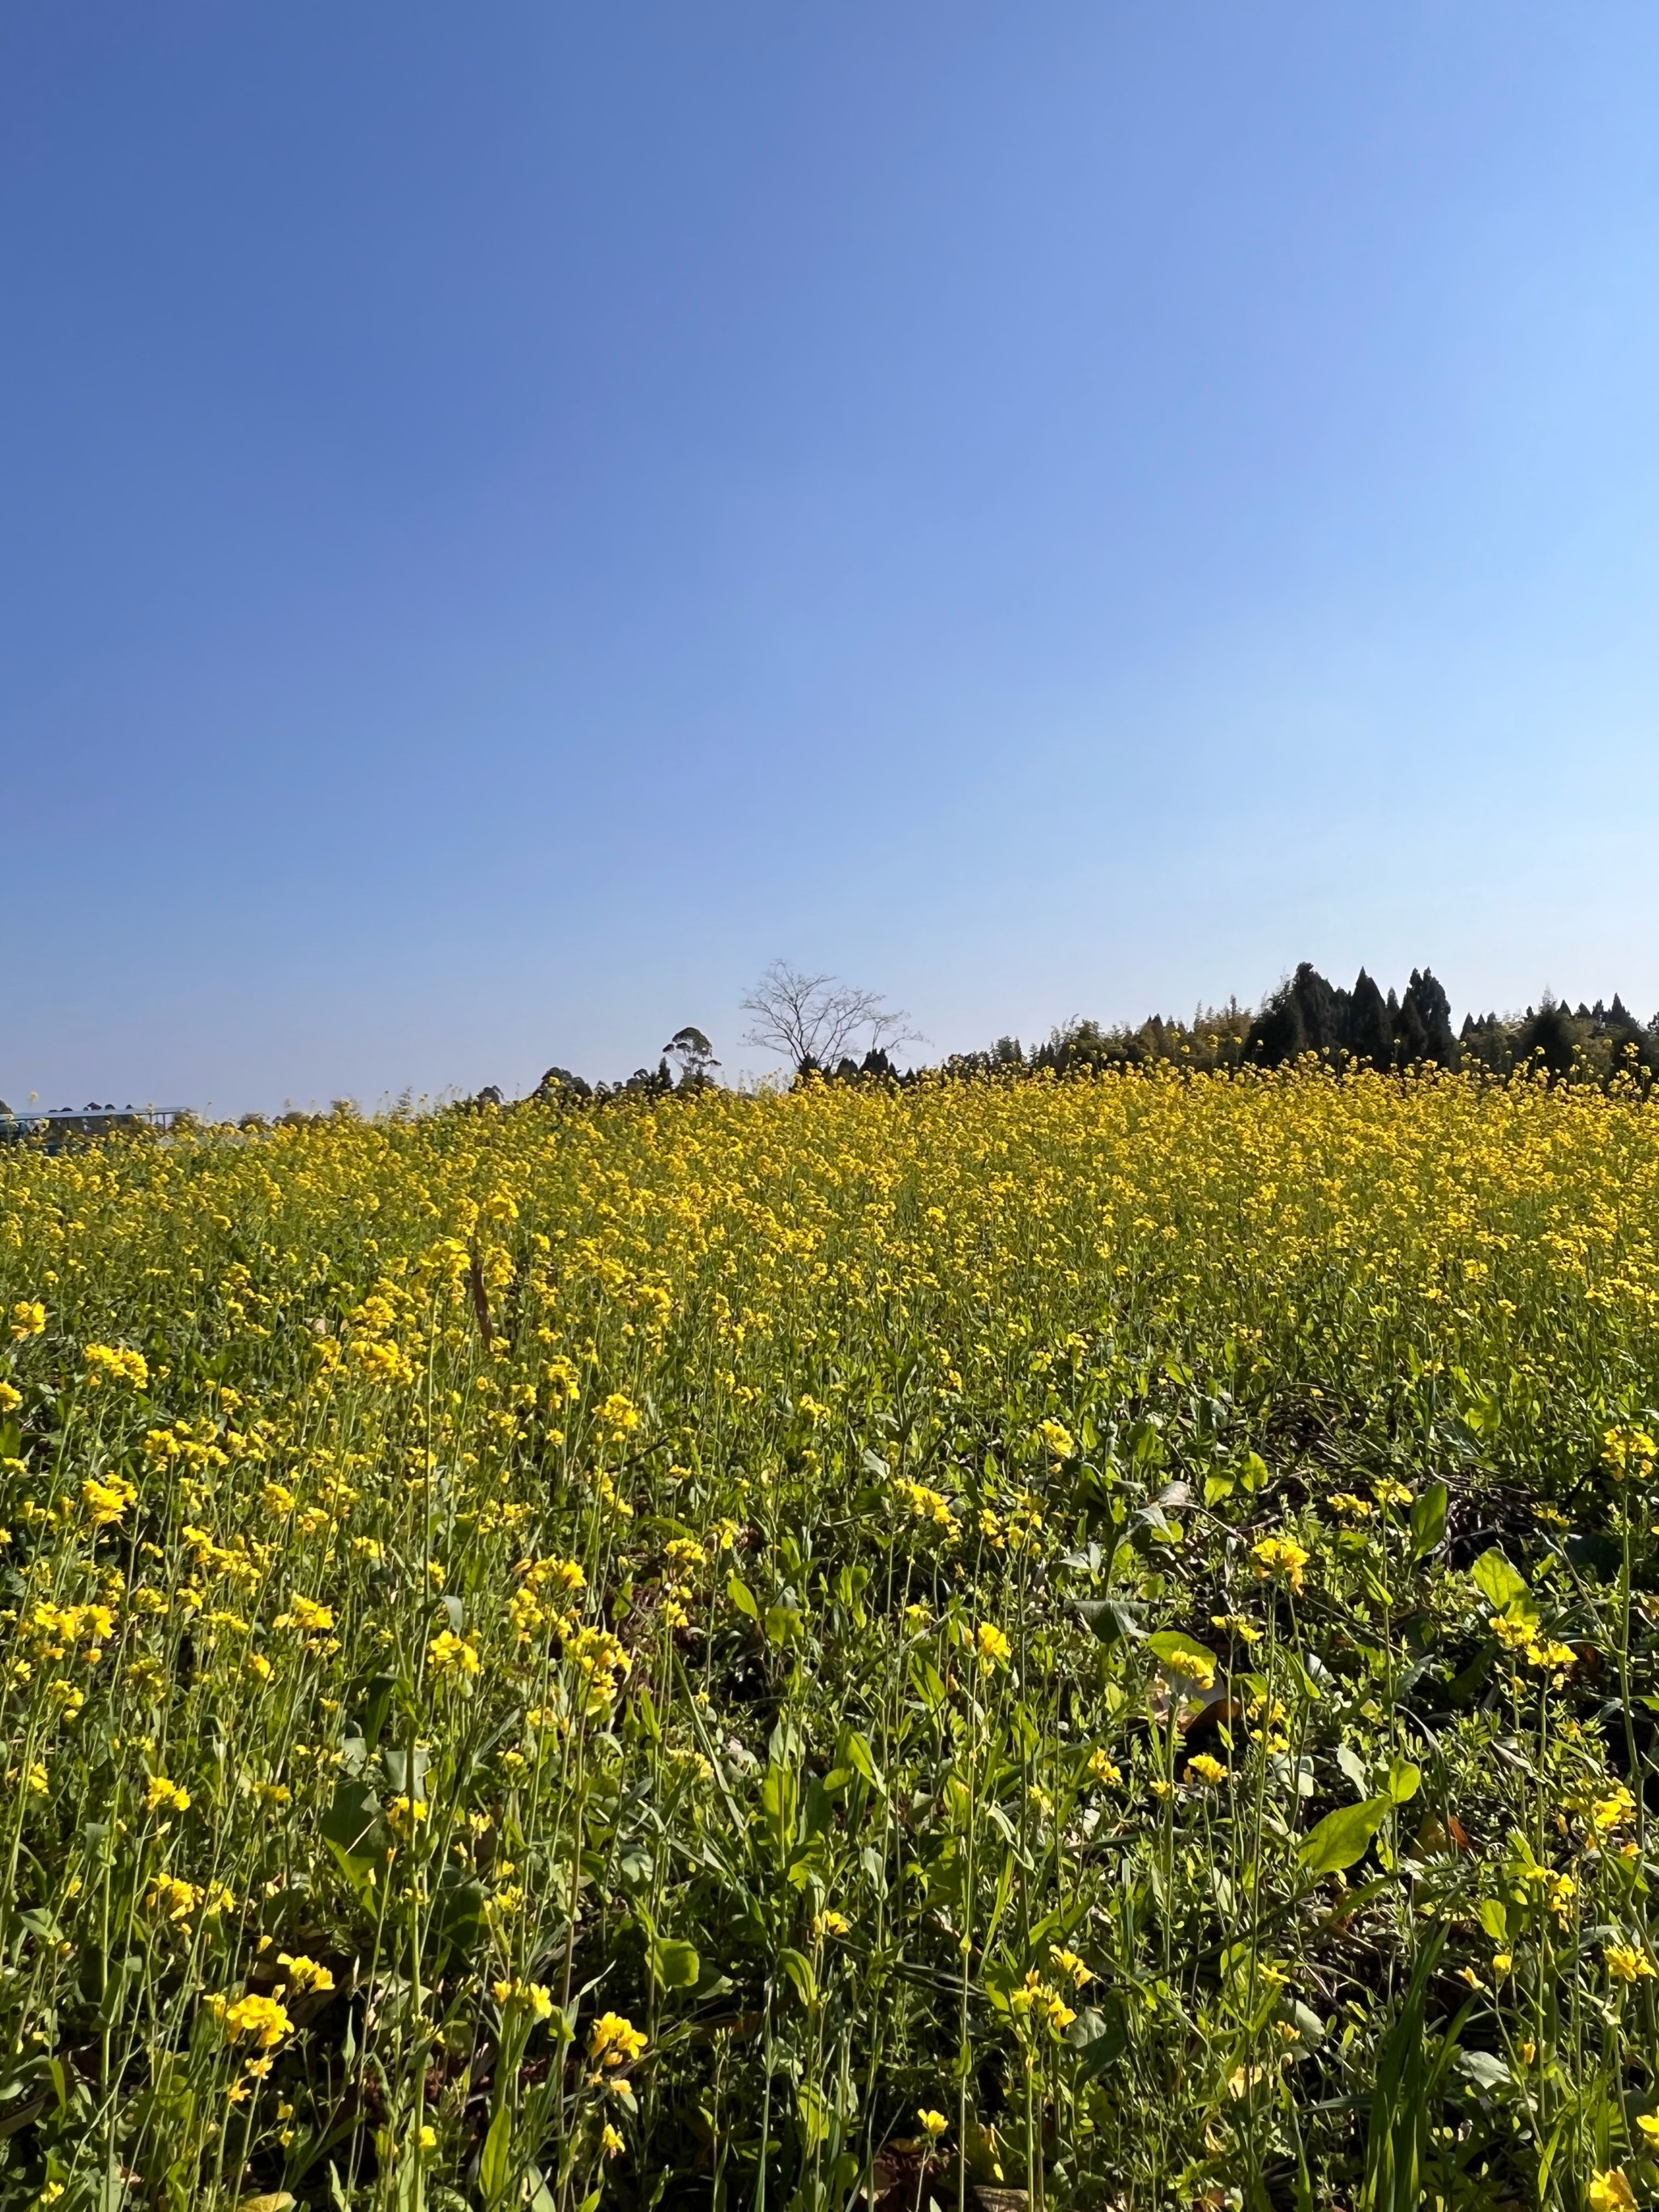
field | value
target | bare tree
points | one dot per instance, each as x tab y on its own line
816	1020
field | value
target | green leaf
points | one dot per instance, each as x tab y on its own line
674	1966
799	1970
1428	1520
1484	2069
1111	1618
1100	2034
742	1596
1494	1918
496	2159
814	2114
1343	1837
352	1812
1403	1781
1183	1655
780	1799
858	1756
1307	2022
458	1908
1497	1582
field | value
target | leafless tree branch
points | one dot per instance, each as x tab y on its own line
816	1020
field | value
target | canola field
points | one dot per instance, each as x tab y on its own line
1093	1641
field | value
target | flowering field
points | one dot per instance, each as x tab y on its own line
1090	1638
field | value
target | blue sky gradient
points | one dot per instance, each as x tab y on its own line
516	516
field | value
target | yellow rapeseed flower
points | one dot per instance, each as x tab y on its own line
1280	1556
257	2020
1609	2192
614	2041
1625	1963
449	1654
113	1362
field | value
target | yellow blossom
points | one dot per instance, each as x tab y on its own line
449	1654
304	1974
1609	2192
614	2040
115	1362
1625	1963
252	2019
1280	1555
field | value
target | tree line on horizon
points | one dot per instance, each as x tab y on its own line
817	1023
1362	1027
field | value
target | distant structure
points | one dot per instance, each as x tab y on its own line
68	1125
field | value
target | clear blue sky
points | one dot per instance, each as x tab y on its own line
514	515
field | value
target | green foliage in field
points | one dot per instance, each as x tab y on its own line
1094	1638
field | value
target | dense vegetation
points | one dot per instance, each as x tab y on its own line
1095	1636
1354	1029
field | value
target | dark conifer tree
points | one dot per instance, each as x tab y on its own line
1323	1022
1371	1033
1411	1038
1434	1015
1277	1034
1547	1038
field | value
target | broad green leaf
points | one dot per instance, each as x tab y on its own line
1486	2070
742	1596
858	1756
814	2114
1428	1520
674	1965
1307	2022
352	1812
780	1795
1099	2034
1403	1781
496	2159
1111	1618
799	1970
1183	1655
1342	1839
1497	1582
